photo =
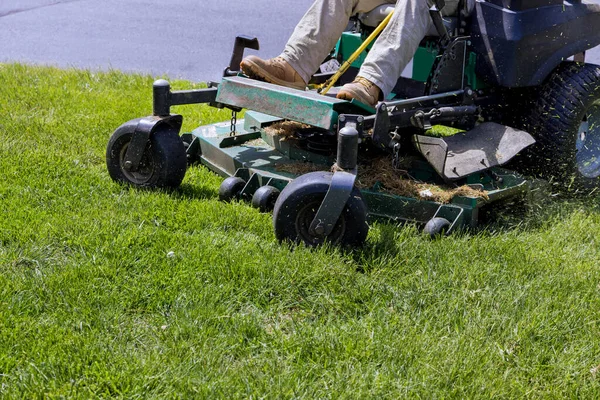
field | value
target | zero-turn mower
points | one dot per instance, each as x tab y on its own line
504	80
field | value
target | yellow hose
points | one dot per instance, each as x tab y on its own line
324	88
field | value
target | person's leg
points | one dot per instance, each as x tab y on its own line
318	31
399	41
312	40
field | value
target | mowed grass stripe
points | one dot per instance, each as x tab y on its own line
110	291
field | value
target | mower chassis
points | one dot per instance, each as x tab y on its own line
255	156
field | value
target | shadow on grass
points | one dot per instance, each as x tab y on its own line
499	218
532	215
194	192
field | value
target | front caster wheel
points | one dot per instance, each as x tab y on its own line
231	188
298	204
264	198
436	227
163	163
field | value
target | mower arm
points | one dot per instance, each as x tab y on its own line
164	98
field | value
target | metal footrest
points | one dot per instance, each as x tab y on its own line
297	105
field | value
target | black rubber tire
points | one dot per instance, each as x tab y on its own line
567	98
231	188
163	164
436	227
298	203
264	198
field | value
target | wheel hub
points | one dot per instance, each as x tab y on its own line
588	143
144	171
304	220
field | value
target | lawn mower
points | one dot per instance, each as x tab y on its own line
505	79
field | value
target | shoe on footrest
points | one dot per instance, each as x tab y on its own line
362	90
274	70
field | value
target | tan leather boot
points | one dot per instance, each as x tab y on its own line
362	90
275	70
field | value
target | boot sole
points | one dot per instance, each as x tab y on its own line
255	72
346	94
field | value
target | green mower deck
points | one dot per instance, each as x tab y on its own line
256	156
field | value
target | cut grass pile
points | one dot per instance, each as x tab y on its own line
110	291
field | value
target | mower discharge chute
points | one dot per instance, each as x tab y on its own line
326	166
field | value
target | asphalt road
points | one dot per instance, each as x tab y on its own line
190	39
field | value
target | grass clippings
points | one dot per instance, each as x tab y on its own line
299	168
397	182
381	173
284	129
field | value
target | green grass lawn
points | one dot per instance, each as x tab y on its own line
110	291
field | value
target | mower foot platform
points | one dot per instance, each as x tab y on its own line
307	107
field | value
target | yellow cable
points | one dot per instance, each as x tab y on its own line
344	67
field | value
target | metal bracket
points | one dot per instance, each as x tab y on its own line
451	213
164	98
425	120
436	15
242	43
342	182
141	135
422	119
381	128
333	204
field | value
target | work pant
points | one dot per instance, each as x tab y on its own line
318	31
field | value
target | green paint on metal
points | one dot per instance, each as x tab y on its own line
224	154
297	105
423	62
291	150
349	42
473	81
239	139
254	121
307	107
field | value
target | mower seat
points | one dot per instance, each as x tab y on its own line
374	17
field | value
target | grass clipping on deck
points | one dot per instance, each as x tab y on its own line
285	129
396	182
379	171
393	181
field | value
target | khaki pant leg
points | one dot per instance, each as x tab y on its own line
399	41
318	31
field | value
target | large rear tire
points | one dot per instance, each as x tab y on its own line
566	124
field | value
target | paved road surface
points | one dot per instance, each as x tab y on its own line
190	39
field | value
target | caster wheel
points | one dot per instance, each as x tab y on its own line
163	164
436	227
264	198
231	188
298	204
